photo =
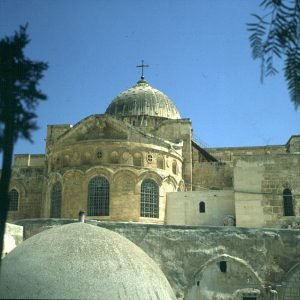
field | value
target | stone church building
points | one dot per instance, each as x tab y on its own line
230	214
138	162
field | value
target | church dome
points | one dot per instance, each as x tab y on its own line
81	261
143	100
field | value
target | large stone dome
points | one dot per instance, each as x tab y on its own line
81	261
143	100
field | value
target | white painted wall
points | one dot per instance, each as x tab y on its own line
183	207
13	236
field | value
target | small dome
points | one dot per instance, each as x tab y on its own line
81	261
142	99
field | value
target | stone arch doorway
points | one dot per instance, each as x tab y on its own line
226	277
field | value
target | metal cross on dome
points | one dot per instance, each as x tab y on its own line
142	66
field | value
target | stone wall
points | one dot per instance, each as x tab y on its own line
293	145
209	207
259	183
28	182
178	131
100	146
54	131
103	146
230	153
212	175
101	153
214	262
29	160
124	192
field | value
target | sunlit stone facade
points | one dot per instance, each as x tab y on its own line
139	162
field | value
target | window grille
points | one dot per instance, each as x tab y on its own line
13	197
98	197
202	207
55	209
288	203
149	199
149	158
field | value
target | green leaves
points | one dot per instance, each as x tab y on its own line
276	35
292	72
258	32
19	79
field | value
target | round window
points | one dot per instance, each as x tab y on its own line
99	154
149	158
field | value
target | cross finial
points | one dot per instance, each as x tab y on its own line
142	66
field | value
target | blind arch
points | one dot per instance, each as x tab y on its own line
55	207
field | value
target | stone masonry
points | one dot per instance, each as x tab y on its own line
259	261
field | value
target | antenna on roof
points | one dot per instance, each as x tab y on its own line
142	66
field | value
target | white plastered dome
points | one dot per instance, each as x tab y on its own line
81	261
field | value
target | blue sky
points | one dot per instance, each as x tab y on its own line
198	52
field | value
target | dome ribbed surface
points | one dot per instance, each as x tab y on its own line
81	261
142	99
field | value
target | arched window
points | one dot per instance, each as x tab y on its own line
174	167
288	203
202	207
13	197
55	209
98	197
160	162
114	158
149	199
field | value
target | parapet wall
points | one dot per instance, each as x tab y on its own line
257	261
29	160
231	153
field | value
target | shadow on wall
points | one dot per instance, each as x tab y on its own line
291	283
